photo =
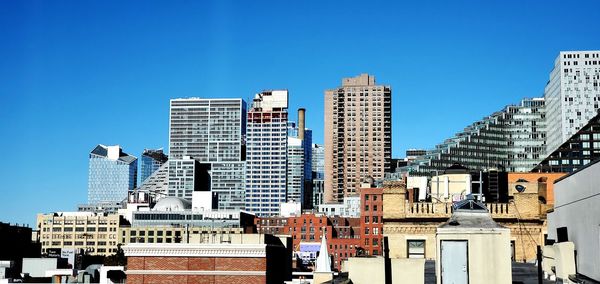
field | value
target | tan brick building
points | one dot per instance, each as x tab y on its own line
358	135
95	233
411	226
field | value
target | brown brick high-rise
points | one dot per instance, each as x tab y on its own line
358	135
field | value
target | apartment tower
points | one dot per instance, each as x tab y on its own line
572	95
211	132
266	161
358	135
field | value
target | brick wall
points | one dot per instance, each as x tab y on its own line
192	263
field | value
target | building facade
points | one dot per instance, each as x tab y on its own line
318	174
576	152
512	139
151	161
112	173
411	226
211	131
371	220
266	163
96	234
295	170
358	128
572	94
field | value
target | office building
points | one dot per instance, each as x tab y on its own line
211	131
358	131
572	94
96	234
152	160
512	139
266	161
112	173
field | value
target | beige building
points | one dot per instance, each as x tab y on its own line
96	234
169	234
411	226
358	135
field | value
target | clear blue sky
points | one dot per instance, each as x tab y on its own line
74	74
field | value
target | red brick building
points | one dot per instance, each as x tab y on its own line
268	262
371	220
342	233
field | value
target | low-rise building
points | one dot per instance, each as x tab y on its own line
258	259
410	226
96	234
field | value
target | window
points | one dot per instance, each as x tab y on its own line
366	219
415	248
375	242
367	231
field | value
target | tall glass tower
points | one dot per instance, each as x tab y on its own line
112	174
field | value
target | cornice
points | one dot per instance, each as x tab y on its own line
196	250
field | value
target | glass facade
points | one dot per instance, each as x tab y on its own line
512	140
112	174
151	161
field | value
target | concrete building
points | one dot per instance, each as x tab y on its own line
266	171
358	135
572	94
211	131
576	152
96	234
112	173
574	224
472	248
151	161
262	259
184	177
512	139
411	225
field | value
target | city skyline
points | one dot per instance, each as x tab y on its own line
52	87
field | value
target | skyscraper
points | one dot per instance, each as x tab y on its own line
572	95
211	131
112	173
358	135
267	152
152	160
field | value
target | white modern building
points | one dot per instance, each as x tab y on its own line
350	207
576	219
211	131
572	94
266	158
